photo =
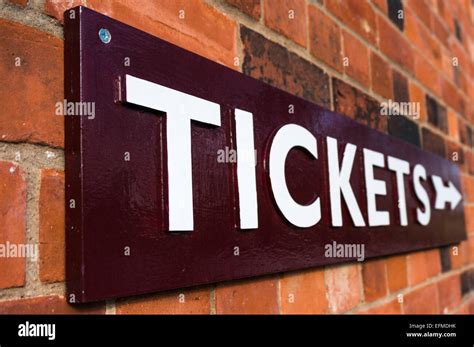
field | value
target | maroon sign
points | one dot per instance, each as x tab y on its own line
180	171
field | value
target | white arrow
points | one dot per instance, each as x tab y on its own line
445	194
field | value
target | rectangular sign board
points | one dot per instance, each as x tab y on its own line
190	173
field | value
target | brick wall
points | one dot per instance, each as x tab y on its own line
347	55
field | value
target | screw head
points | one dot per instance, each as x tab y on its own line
105	35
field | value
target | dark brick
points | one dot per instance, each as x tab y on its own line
394	6
465	133
273	64
437	114
433	142
445	258
467	281
400	87
405	129
457	30
357	105
250	7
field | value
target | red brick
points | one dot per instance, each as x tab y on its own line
391	307
325	38
357	54
453	128
356	14
195	301
452	96
459	255
417	95
12	222
381	76
381	4
427	74
397	272
21	3
277	17
422	301
52	304
395	45
449	293
51	227
422	11
374	274
28	99
303	293
469	218
470	248
423	265
468	188
250	7
204	30
440	30
422	38
256	296
343	287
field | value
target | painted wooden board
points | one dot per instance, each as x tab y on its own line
129	226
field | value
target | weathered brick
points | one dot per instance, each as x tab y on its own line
437	114
467	281
400	87
404	129
358	15
357	58
357	105
303	293
343	287
257	296
381	4
449	293
423	265
250	7
203	29
469	218
375	279
445	258
287	17
395	45
465	133
422	301
433	142
381	76
51	228
397	273
52	304
273	64
189	301
12	222
325	38
32	63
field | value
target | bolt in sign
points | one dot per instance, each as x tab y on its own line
191	173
